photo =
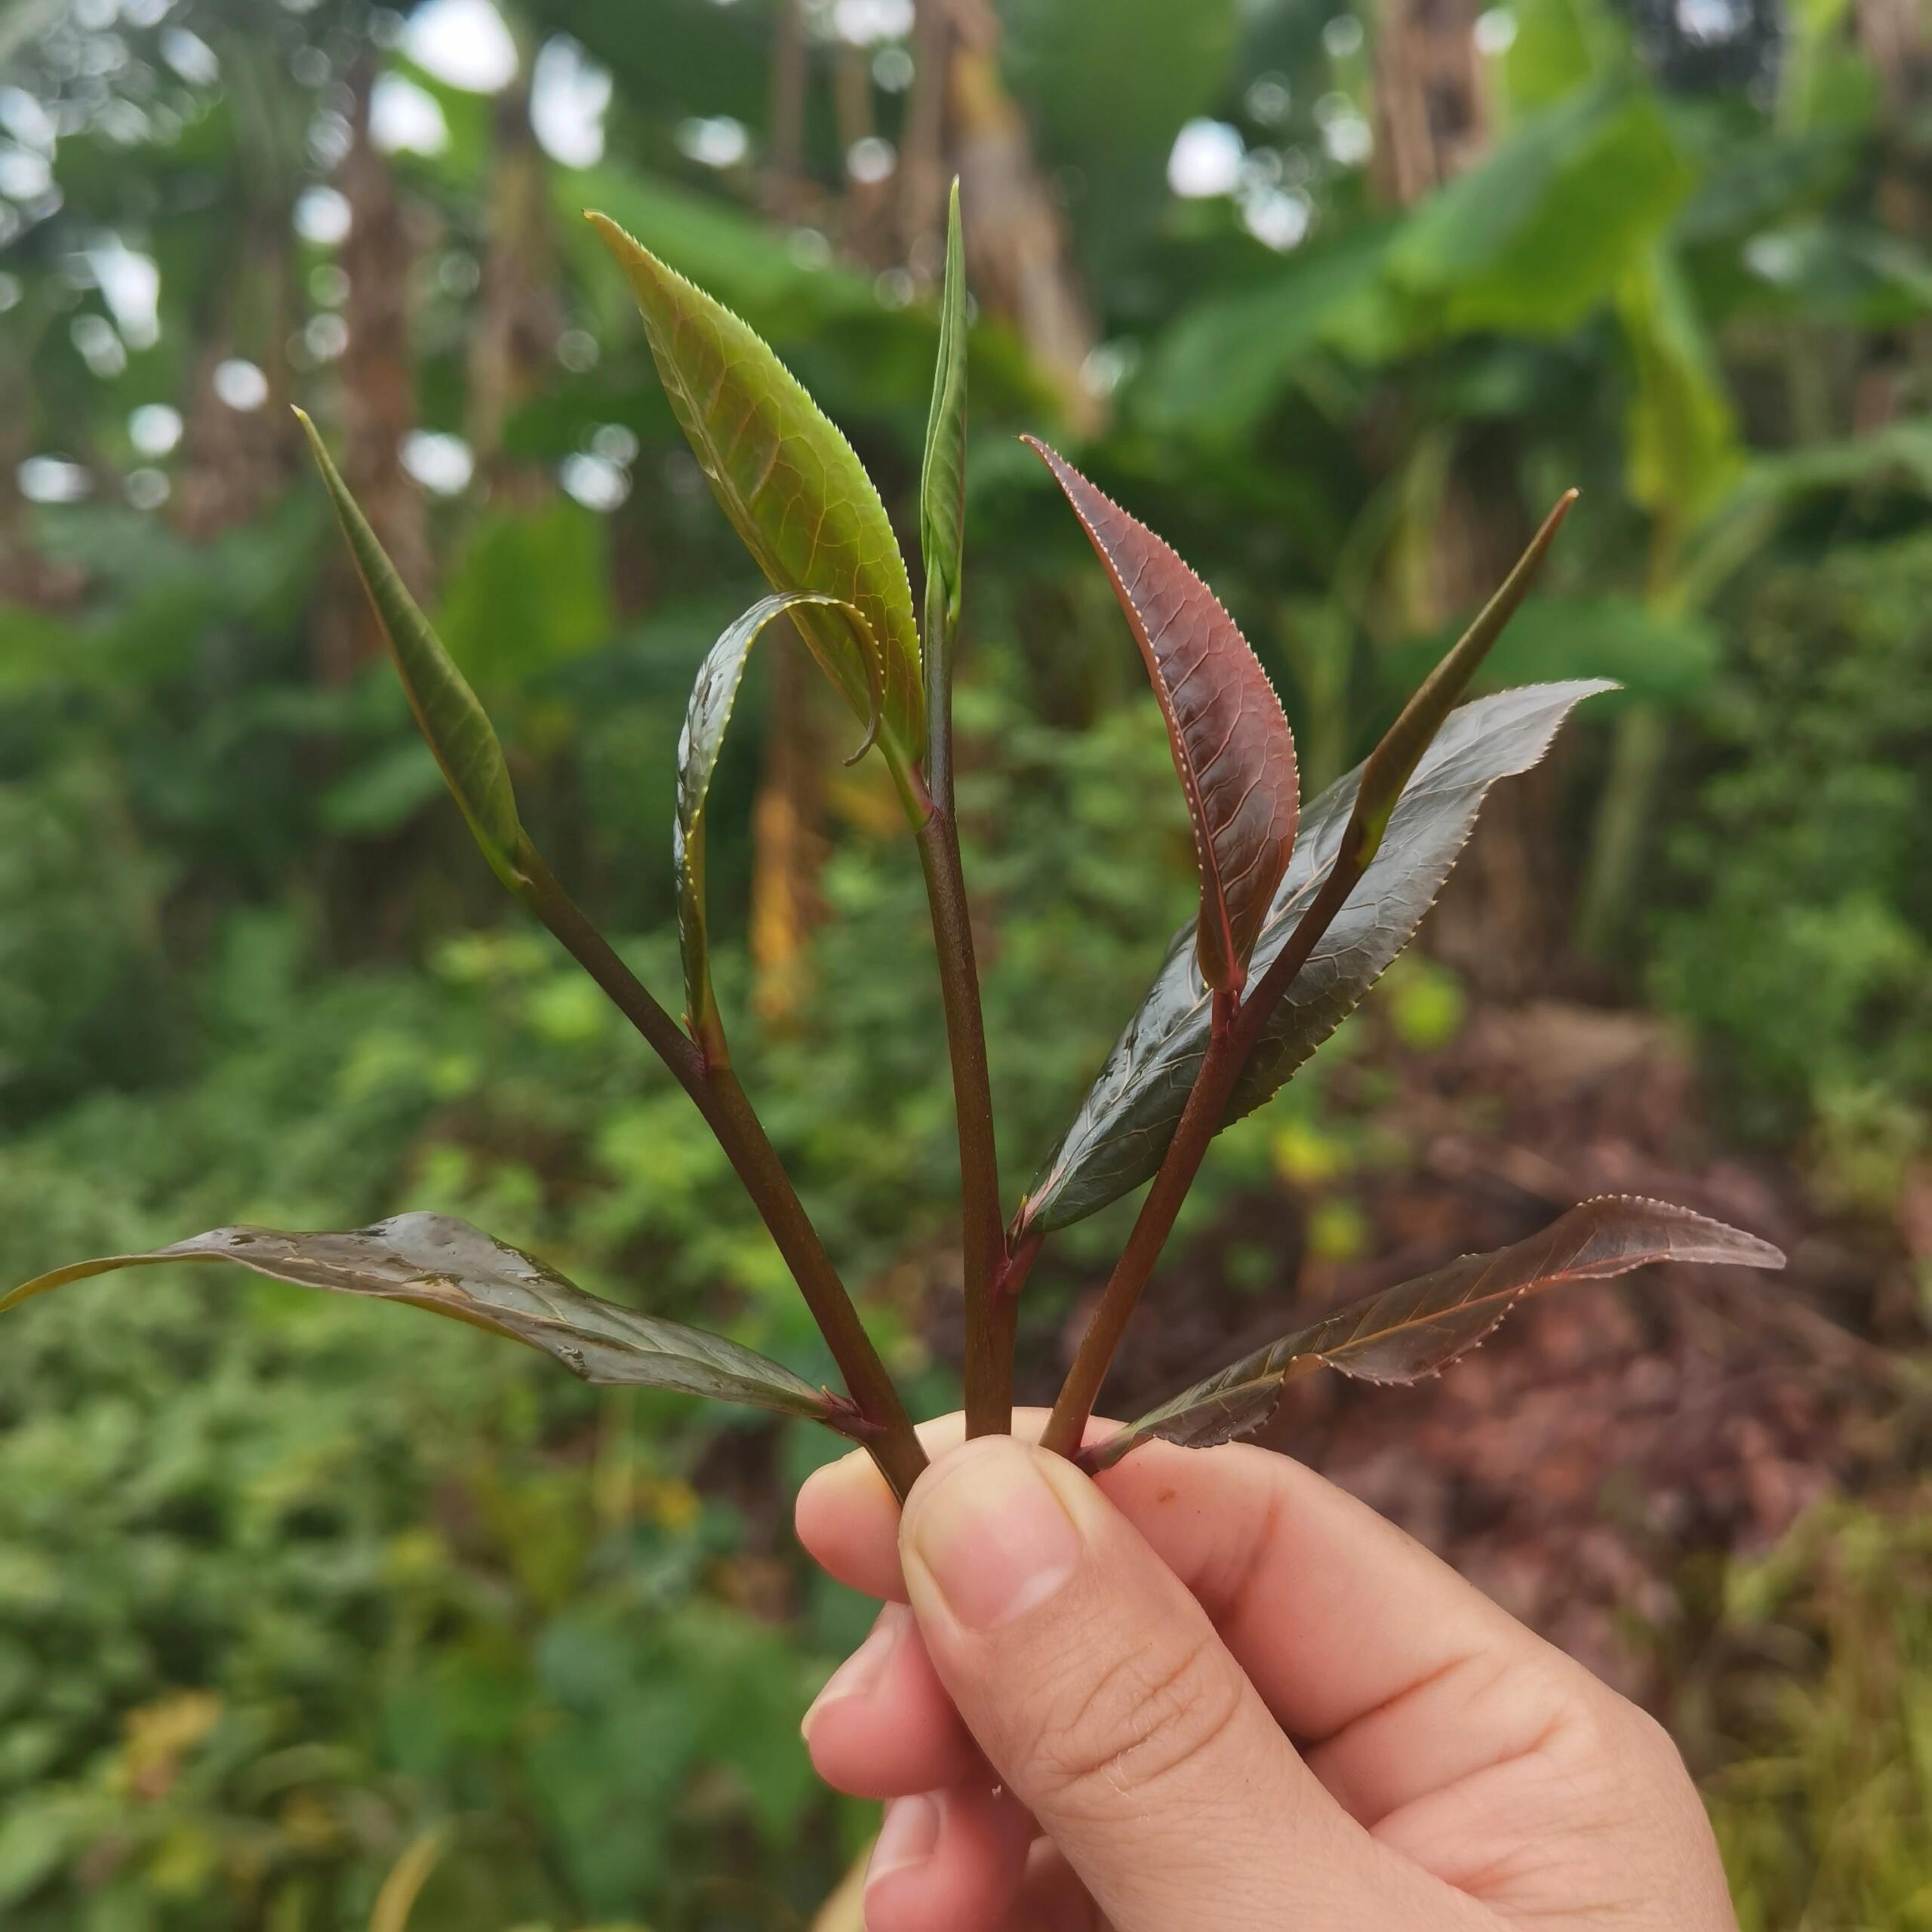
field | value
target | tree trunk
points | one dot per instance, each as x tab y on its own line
26	578
378	393
1022	254
1021	267
519	316
922	173
866	227
1431	117
1498	922
788	840
788	810
1895	36
236	461
784	173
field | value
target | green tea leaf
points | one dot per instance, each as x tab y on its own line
795	492
1230	740
943	496
446	1266
1123	1127
713	695
1420	1327
447	710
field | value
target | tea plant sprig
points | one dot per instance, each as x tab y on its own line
1301	910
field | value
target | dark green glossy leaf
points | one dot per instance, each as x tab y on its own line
942	490
1536	236
1124	1125
796	494
1231	742
1422	1326
1658	655
446	1266
713	695
447	710
1215	373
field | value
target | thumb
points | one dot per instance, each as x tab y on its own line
1098	1688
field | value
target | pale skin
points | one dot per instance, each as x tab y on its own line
1211	1693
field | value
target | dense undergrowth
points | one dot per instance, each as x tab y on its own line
299	1604
282	1589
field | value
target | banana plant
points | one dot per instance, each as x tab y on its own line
1301	908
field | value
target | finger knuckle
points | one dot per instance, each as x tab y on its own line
1595	1723
1144	1722
1654	1746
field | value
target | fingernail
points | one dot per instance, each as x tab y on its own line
906	1838
862	1669
994	1535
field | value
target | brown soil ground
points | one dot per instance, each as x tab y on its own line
1610	1438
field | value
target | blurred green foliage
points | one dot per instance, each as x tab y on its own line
1802	944
285	1585
1824	1707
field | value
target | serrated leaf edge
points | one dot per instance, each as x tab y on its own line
606	228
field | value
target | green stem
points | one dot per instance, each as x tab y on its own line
989	1369
713	1090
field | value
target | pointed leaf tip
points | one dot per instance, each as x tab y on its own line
1365	903
1419	1328
447	712
943	507
790	485
1123	1127
1390	766
437	1263
1229	736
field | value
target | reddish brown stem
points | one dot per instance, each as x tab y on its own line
988	1367
1238	1029
1010	1278
713	1090
1207	1103
1236	1034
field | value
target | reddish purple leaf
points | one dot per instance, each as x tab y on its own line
1420	1327
435	1262
1231	744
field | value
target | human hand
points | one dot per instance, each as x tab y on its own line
1210	1690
